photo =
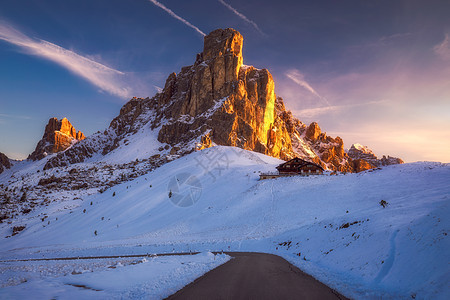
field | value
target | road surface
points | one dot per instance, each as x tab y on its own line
256	276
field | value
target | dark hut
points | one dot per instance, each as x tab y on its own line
295	166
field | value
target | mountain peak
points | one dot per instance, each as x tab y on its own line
58	136
222	42
358	153
217	101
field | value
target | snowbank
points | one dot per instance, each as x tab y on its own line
149	278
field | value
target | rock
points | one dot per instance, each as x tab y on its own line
218	101
4	162
230	104
360	165
174	150
358	152
58	136
313	131
386	161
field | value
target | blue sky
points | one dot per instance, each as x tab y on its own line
373	72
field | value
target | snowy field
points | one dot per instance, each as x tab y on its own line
146	278
332	227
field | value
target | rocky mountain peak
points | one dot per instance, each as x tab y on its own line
217	101
313	131
223	42
58	136
364	158
358	148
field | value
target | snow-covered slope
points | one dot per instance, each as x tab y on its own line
333	227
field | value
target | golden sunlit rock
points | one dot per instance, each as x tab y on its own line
216	101
58	136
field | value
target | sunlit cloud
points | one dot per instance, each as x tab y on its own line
243	17
105	78
443	49
174	15
315	112
299	79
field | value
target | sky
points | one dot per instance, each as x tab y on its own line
372	72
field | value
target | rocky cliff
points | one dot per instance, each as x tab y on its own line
58	136
358	153
217	100
4	162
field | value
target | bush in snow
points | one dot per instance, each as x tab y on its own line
383	203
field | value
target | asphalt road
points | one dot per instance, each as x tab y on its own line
256	276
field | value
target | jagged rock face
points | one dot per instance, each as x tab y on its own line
217	100
4	162
360	152
360	165
386	161
310	143
223	101
58	136
313	131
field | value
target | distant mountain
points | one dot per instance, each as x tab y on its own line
217	101
362	155
58	136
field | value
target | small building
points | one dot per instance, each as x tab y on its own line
295	166
298	166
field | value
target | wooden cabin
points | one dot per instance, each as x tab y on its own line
298	166
295	166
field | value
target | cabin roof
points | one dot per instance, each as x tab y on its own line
300	163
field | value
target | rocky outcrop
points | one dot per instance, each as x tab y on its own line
58	136
217	101
360	165
220	101
358	151
365	159
4	162
389	160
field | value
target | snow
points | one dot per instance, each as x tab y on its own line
332	227
362	148
149	278
140	145
301	147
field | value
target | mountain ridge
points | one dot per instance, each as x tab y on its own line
218	101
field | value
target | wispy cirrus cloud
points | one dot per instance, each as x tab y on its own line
174	15
103	77
443	49
297	77
9	116
315	112
243	17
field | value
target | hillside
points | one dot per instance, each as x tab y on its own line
333	227
216	101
